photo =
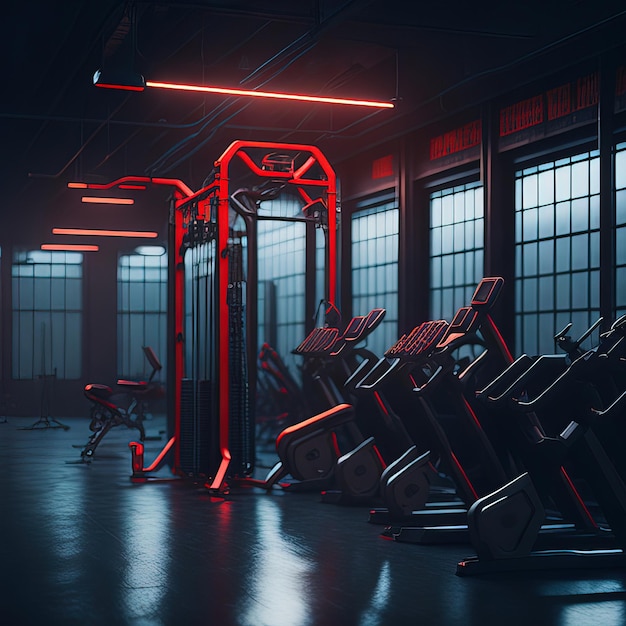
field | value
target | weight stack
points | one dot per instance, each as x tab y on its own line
241	419
199	445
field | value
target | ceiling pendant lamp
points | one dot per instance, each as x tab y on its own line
127	80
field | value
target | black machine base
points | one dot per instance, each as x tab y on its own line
544	560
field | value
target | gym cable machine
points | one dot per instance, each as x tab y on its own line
213	298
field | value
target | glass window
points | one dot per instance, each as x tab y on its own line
456	248
281	275
620	229
47	314
375	230
557	251
141	311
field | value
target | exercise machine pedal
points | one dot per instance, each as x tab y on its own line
357	475
405	486
504	529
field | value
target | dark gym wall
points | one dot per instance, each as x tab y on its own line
412	164
579	109
27	230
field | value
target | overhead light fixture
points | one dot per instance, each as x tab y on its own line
269	94
124	79
150	250
105	233
104	200
132	81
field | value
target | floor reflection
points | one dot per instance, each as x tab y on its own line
374	614
586	601
146	533
63	523
280	568
83	545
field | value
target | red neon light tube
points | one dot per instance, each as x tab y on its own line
105	233
75	247
97	200
270	94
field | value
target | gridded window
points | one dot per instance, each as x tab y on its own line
620	229
281	275
141	310
557	250
375	233
457	227
47	314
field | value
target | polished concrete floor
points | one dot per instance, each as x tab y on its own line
83	545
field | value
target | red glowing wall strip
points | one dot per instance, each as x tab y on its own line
101	200
69	247
94	232
270	94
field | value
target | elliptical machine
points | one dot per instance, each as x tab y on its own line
308	451
504	525
432	388
402	451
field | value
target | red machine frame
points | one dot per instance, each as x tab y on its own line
184	203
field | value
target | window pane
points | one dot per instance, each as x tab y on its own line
620	230
546	221
456	258
47	314
546	256
562	252
375	224
281	264
142	310
546	187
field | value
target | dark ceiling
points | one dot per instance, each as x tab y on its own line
433	59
